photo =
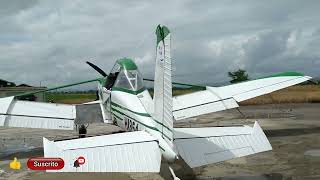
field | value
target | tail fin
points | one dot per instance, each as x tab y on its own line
163	84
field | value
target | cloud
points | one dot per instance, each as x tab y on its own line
49	41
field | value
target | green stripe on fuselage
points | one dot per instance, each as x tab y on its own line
138	113
147	126
117	117
141	123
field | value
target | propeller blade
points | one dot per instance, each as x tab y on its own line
100	71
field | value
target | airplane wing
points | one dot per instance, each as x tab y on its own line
27	114
202	146
215	99
134	151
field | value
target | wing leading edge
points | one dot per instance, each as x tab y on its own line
215	99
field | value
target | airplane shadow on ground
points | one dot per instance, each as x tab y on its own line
291	132
207	151
181	169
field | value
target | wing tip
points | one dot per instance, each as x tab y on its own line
285	74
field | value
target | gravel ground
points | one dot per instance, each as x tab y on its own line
293	130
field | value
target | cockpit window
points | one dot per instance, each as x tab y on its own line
112	76
116	68
129	79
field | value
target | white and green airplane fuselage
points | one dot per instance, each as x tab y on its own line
128	113
129	105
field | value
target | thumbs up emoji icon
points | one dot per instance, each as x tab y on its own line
15	164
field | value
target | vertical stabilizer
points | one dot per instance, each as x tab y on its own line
163	84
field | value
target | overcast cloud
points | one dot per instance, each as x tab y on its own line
49	41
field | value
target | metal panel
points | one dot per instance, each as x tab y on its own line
221	98
163	105
5	103
192	99
88	113
202	146
146	100
183	133
125	152
37	115
43	109
254	88
38	122
4	106
196	107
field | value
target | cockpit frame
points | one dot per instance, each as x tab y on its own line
125	76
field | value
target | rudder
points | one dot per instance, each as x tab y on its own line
163	84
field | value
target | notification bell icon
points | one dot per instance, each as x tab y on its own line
81	160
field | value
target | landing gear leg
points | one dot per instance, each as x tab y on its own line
173	174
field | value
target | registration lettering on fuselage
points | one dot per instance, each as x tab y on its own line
130	125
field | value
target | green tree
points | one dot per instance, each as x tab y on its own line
238	76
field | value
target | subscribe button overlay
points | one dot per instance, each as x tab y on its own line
42	164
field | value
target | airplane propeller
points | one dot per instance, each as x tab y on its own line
100	71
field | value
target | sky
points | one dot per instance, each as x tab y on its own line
48	42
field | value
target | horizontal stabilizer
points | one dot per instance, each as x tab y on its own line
124	152
202	146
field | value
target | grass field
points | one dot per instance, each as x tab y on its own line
70	98
294	94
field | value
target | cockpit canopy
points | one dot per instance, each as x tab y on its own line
125	76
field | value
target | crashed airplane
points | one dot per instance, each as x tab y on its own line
148	123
